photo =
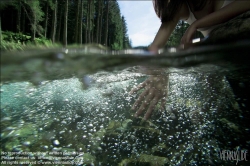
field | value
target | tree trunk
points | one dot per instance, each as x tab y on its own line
182	28
59	25
87	23
32	19
106	29
100	29
54	23
76	23
23	21
0	30
34	24
98	22
92	36
89	20
19	17
46	19
65	35
80	22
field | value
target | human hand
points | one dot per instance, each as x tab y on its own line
187	37
155	90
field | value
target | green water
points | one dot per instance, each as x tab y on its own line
72	106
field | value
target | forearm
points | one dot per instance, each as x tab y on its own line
220	16
163	35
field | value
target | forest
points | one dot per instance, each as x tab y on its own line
65	22
69	22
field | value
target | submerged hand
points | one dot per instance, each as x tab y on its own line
187	37
156	88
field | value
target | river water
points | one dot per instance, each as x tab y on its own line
73	107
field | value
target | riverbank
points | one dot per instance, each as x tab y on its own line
18	41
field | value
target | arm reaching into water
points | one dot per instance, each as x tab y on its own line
220	16
156	86
162	36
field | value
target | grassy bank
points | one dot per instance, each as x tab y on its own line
19	41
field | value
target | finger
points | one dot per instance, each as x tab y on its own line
140	86
151	108
163	104
144	104
140	99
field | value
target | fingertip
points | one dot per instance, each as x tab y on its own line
131	92
134	106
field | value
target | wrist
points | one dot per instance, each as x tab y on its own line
195	25
153	49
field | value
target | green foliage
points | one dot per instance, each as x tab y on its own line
15	37
126	41
179	31
17	41
3	4
43	41
177	34
10	46
115	46
117	28
37	15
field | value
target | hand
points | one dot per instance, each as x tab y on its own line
156	88
187	37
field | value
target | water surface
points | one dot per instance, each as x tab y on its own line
72	106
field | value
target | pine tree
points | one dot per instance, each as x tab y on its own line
36	17
126	42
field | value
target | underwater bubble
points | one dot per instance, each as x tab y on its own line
64	122
61	132
26	143
90	125
56	142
